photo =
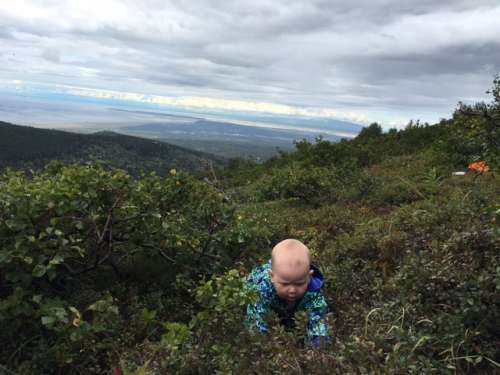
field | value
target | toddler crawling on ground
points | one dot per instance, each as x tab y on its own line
286	284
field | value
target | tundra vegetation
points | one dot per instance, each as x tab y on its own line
101	271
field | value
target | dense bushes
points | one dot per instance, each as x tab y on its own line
412	287
311	185
78	242
413	291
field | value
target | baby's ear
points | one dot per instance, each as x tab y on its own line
271	273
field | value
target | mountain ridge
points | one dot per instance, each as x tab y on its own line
26	147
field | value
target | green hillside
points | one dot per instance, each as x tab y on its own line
23	147
100	271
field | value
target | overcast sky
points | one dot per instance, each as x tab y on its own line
361	60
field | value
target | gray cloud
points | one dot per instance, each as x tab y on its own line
388	59
5	33
52	55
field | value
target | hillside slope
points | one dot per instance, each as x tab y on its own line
23	147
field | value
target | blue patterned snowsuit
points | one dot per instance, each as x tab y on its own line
313	302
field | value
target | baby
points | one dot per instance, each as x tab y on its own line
286	284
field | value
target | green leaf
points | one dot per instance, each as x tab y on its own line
39	270
51	273
74	310
5	257
10	224
75	335
79	250
56	260
48	320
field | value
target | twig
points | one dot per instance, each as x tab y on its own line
20	347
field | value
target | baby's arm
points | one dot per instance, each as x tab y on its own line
255	316
317	328
258	281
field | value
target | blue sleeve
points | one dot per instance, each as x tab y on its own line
318	331
255	316
258	280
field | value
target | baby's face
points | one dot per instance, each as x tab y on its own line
290	284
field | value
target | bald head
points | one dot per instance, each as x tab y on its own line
291	255
290	272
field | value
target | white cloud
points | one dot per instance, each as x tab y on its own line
193	102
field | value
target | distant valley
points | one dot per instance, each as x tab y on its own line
242	138
223	139
257	137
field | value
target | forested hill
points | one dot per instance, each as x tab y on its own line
24	147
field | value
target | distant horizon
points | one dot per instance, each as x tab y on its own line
96	114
